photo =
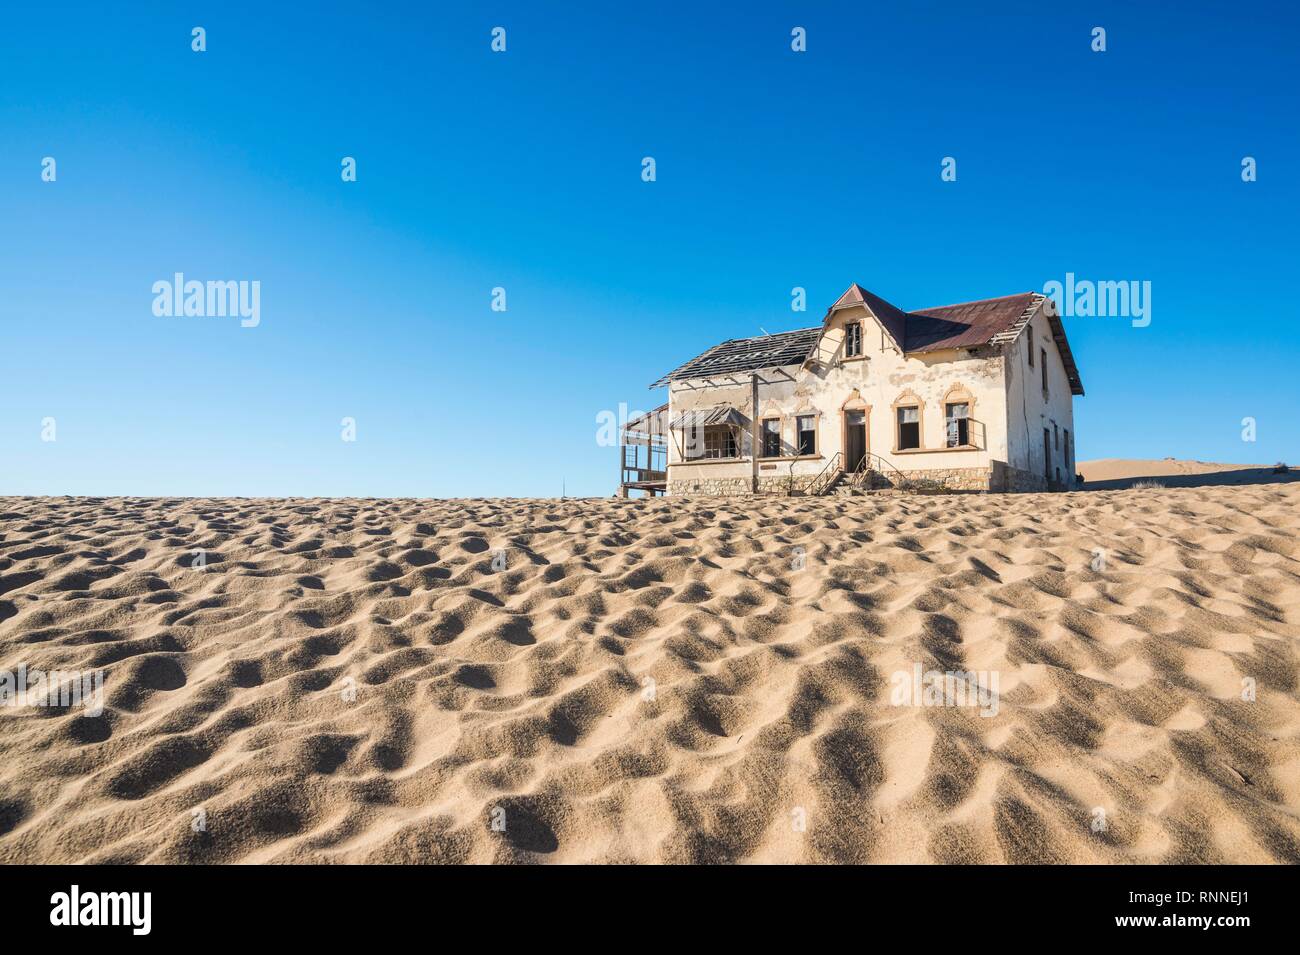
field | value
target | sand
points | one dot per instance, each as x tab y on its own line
1113	473
656	681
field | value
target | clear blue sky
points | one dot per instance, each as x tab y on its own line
523	170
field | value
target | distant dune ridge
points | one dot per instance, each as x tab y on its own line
1115	473
696	680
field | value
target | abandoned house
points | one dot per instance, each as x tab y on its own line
977	396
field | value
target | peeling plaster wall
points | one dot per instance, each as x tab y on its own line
885	376
931	377
1028	412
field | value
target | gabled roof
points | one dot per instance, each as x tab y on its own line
748	354
893	319
990	321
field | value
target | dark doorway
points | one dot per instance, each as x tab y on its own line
855	440
1047	455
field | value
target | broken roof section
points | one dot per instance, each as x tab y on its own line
651	422
991	321
704	417
748	354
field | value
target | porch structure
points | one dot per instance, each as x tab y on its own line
643	454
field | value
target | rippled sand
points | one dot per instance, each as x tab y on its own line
663	681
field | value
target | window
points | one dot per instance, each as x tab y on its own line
909	428
771	437
1030	330
1043	354
957	418
1068	456
719	442
1056	437
712	441
853	340
806	429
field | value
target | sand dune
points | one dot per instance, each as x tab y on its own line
662	681
1117	473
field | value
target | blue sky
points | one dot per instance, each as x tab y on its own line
522	170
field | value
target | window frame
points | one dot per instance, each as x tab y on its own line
1030	350
697	439
907	399
898	426
763	435
861	333
799	432
1043	355
967	417
729	440
959	394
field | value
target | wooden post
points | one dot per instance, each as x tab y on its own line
753	433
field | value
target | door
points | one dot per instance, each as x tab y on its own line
855	440
1047	455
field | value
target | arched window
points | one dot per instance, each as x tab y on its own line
959	418
907	421
807	424
771	424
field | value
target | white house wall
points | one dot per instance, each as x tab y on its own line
823	388
1028	411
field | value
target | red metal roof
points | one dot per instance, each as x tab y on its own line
967	325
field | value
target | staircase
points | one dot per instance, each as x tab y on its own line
874	474
828	478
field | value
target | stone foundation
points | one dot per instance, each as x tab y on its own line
784	485
1008	479
954	479
718	487
998	478
734	486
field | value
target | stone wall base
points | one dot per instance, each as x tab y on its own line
717	487
783	485
953	479
1008	479
999	477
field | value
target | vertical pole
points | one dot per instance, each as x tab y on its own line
753	433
